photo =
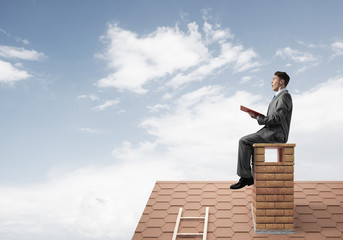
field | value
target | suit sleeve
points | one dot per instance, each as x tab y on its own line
283	106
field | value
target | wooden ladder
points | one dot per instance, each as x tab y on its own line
179	218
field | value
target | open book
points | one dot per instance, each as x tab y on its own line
245	109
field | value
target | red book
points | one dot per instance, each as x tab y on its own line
245	109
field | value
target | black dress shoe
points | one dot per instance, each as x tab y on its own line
242	183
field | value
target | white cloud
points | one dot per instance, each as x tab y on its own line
323	101
255	83
157	107
316	128
296	55
167	52
307	59
230	55
215	34
90	96
9	74
137	60
18	39
89	203
90	130
105	105
337	48
20	53
307	44
311	45
245	79
202	132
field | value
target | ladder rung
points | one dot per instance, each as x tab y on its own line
190	234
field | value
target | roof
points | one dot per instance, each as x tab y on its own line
318	211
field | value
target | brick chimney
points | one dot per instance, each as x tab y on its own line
273	191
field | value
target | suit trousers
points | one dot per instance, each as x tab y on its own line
246	150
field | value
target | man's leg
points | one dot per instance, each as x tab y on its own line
245	151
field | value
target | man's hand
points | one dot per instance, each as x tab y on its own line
253	115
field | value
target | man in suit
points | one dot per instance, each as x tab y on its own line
275	130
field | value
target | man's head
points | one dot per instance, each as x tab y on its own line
280	81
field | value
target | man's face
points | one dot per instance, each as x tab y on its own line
277	83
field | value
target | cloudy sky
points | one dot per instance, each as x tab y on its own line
99	99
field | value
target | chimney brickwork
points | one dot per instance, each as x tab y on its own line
273	191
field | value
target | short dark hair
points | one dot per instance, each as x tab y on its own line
283	75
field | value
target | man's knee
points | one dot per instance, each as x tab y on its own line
245	141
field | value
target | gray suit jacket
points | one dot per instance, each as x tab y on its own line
278	120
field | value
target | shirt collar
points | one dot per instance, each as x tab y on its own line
281	90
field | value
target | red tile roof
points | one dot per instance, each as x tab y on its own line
318	211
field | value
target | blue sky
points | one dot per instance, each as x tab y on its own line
100	99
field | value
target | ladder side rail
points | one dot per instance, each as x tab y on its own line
177	224
204	236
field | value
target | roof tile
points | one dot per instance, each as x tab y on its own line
321	187
179	194
331	232
327	195
241	227
167	185
153	223
326	223
310	227
223	198
181	188
224	222
303	209
210	188
192	205
163	198
337	191
144	218
301	201
314	198
308	185
240	210
224	214
321	214
152	232
171	218
338	218
329	202
178	202
240	218
158	214
314	236
335	209
318	206
209	194
193	198
240	236
161	205
240	202
208	202
311	191
223	232
223	206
